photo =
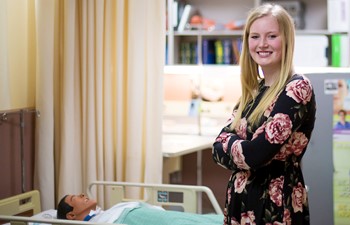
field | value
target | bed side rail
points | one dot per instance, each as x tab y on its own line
21	203
169	196
21	220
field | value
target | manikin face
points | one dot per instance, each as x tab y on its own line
82	206
265	43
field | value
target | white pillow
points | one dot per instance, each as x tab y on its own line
47	214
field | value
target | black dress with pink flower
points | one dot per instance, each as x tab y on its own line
267	186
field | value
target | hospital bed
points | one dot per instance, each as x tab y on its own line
169	196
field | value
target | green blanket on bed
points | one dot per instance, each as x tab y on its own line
151	216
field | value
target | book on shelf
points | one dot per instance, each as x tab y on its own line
219	52
188	53
214	51
236	49
180	8
185	17
227	50
185	53
208	51
177	11
340	50
175	16
166	54
194	53
338	12
336	50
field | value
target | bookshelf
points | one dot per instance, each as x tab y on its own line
226	11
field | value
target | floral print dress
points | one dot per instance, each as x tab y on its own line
267	186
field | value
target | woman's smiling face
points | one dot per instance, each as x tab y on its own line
265	42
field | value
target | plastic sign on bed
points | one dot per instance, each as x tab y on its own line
163	196
171	197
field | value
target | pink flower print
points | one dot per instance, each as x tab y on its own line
259	131
237	155
298	198
296	145
225	216
275	190
241	181
298	142
300	91
229	194
241	130
287	220
278	129
248	218
234	221
284	152
270	108
224	138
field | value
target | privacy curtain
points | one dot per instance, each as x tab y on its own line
99	86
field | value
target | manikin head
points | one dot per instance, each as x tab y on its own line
75	207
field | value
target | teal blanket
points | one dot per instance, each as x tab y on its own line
151	216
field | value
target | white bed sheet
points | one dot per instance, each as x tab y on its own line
109	215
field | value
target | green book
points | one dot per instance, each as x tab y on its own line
219	52
185	53
336	50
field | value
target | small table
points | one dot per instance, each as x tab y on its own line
176	145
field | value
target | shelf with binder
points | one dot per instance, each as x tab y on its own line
208	50
176	35
317	17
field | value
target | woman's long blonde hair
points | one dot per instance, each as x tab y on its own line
250	77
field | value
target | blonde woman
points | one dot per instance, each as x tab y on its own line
265	140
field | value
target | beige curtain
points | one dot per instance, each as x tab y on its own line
4	78
98	71
17	61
